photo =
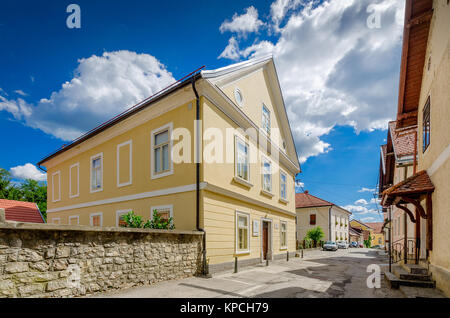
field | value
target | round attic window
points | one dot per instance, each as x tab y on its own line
238	97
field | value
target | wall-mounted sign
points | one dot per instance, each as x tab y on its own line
255	228
276	226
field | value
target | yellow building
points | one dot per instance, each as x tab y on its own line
214	151
424	99
365	228
315	212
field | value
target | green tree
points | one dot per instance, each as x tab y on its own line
315	234
29	190
368	242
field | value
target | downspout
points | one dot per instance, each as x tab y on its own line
205	270
329	223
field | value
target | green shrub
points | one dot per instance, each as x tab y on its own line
133	220
315	234
159	223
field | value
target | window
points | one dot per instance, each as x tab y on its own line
312	219
266	175
74	180
56	186
242	162
97	219
283	187
266	119
426	126
56	220
120	220
74	220
162	164
97	173
242	232
238	97
283	234
165	211
124	163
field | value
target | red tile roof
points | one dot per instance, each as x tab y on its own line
303	200
402	140
21	211
417	183
377	226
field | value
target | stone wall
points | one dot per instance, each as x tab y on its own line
65	261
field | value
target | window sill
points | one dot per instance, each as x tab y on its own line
96	190
283	200
242	252
242	182
283	248
267	193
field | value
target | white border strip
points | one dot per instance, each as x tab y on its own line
143	195
443	157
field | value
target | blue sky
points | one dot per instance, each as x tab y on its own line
338	75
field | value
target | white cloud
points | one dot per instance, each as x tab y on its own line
361	202
20	92
363	189
102	87
334	70
244	23
369	219
28	171
231	51
359	209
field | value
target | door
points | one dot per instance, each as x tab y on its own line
265	239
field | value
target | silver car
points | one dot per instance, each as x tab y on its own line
330	246
342	244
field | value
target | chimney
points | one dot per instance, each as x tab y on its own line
306	192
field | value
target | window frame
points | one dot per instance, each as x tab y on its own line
426	125
74	217
129	142
99	155
59	186
282	173
54	219
264	160
91	218
237	90
119	213
247	216
267	128
283	247
161	207
154	132
236	149
315	218
71	196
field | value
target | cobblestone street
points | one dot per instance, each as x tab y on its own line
318	275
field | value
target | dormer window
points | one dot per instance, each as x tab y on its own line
238	97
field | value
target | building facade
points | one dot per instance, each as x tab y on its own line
313	211
424	100
214	152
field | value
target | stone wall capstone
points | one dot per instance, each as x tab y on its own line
43	260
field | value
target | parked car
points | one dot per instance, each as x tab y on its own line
330	246
342	244
354	244
361	245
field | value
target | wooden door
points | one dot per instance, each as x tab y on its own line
265	239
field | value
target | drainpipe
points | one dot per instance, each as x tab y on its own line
329	223
205	271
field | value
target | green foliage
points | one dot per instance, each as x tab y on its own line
315	234
368	242
159	223
29	191
133	220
